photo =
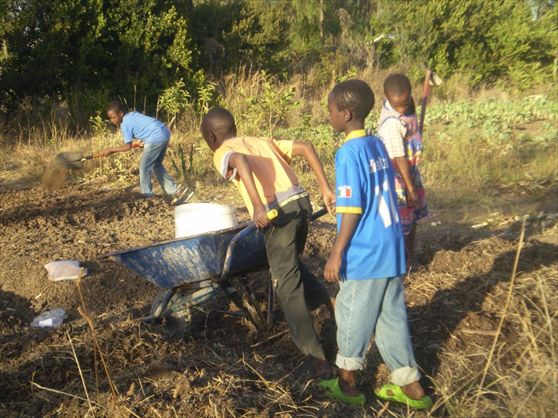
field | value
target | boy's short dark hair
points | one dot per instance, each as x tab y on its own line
219	118
397	85
355	95
115	106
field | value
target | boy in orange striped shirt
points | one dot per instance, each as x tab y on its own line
260	168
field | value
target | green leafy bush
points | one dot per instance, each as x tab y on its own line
52	47
485	40
174	99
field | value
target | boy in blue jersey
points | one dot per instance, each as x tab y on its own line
368	258
155	137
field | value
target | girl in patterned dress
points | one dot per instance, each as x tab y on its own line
398	128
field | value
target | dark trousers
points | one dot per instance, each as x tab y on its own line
298	290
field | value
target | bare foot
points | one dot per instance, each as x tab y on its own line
413	390
347	382
322	368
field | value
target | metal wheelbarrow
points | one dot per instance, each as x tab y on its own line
194	270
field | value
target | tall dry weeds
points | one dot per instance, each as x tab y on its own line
522	372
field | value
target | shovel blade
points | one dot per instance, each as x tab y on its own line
57	170
69	159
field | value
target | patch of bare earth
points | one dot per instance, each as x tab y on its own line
227	368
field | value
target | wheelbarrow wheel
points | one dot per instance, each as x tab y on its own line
187	310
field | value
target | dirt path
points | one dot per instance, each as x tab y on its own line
453	301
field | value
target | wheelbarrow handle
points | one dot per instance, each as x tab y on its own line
245	232
230	249
318	214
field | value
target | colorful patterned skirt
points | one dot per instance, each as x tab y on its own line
408	215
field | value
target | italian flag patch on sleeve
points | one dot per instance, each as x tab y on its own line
345	191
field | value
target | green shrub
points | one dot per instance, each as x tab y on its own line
483	39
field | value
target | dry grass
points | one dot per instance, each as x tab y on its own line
522	373
475	145
479	147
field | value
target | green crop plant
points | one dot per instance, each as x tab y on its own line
184	166
205	91
173	100
270	106
99	125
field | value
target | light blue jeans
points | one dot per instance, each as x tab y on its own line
375	307
152	162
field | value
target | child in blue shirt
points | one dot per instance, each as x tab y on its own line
155	137
368	258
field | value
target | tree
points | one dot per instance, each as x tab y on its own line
121	46
484	39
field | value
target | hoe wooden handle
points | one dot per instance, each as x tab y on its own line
424	100
90	157
100	154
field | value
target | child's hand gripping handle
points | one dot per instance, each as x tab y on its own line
272	214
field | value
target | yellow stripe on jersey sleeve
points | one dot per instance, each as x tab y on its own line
348	209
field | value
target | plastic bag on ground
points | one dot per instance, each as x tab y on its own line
49	319
65	270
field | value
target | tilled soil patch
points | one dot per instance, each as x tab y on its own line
225	368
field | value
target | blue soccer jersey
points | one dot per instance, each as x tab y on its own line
365	186
145	128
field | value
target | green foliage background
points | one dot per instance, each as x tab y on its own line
484	40
85	52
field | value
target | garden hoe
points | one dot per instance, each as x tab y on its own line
57	170
431	79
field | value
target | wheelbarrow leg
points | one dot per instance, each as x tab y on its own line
252	307
237	299
162	306
233	295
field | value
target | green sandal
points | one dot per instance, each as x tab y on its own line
394	393
333	390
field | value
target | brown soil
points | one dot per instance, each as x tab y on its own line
214	371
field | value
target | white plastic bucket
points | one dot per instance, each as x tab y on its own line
198	218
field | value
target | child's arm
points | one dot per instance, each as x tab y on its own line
122	148
403	166
349	222
308	151
240	163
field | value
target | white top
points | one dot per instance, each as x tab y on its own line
392	131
